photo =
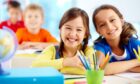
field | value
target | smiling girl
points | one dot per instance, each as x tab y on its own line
117	38
74	34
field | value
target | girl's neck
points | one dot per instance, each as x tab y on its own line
115	47
114	43
69	52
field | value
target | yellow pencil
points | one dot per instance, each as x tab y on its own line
139	50
137	53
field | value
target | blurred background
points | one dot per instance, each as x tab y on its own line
54	9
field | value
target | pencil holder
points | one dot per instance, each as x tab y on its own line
94	77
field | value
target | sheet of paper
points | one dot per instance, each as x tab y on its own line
130	75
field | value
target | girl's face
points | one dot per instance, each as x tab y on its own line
73	32
14	14
108	24
33	20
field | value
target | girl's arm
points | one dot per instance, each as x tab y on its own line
118	67
135	69
122	66
48	63
47	58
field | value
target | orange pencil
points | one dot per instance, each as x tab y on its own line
105	61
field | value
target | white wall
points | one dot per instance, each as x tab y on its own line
129	8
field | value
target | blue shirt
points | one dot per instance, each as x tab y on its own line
105	48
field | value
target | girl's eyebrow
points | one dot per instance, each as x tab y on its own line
68	25
76	27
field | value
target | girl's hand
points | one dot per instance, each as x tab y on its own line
73	62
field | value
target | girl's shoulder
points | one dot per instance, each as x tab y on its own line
102	46
89	49
102	41
134	40
53	50
49	48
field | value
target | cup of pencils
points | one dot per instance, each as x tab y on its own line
137	52
95	75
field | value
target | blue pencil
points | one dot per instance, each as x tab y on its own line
83	60
86	62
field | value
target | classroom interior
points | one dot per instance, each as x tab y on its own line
53	12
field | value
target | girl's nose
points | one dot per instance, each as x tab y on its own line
109	26
73	33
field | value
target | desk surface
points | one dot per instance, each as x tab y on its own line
107	80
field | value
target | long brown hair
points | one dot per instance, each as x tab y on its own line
70	15
127	29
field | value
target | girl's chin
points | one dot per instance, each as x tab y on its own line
72	45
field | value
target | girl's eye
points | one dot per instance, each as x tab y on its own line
112	20
101	25
79	30
68	28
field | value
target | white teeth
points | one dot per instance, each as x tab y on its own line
72	40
